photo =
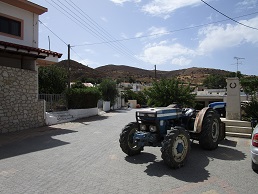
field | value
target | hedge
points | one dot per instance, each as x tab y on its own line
82	98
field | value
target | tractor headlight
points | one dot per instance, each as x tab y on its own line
153	128
151	115
143	127
141	114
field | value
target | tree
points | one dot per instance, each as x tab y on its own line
108	90
52	80
215	82
90	80
139	96
131	80
168	91
235	74
249	85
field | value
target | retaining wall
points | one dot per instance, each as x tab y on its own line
19	105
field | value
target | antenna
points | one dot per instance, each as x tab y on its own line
238	58
48	42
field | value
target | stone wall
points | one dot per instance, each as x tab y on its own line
19	105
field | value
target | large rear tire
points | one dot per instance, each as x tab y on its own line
209	136
254	166
126	140
176	148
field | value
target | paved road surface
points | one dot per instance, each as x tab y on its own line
84	157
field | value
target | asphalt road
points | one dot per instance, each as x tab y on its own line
84	157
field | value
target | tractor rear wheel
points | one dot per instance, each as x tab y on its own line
176	147
209	136
126	140
254	166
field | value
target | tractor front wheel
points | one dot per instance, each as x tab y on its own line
209	137
126	140
176	148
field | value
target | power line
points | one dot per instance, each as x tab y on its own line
167	32
53	33
229	17
95	24
77	54
107	40
79	22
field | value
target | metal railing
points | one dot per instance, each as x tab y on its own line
54	102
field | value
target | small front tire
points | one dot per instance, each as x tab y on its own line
126	140
176	148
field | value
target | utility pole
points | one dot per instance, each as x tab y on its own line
69	63
238	58
155	72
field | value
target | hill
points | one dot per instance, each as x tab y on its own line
79	71
194	75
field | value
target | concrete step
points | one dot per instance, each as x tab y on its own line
236	123
235	128
238	129
242	135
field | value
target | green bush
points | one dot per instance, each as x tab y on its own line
81	98
250	110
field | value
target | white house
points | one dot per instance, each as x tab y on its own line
207	96
19	105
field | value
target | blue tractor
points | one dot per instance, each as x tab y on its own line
220	107
171	128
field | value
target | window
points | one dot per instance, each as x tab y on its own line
10	26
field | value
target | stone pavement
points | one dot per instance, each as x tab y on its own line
84	157
8	138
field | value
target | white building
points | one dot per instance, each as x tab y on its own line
207	96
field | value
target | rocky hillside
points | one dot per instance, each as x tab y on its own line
192	75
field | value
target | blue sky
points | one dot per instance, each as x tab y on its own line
172	34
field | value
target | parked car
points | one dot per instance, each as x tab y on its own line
254	149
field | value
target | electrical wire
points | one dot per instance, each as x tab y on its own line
167	32
79	21
53	33
77	54
99	34
109	39
229	17
98	27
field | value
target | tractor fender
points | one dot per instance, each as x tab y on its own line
199	119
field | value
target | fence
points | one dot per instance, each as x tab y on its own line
54	102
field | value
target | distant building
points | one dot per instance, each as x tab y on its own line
85	84
207	96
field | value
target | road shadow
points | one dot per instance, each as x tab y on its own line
33	140
228	142
124	110
142	158
85	120
194	170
